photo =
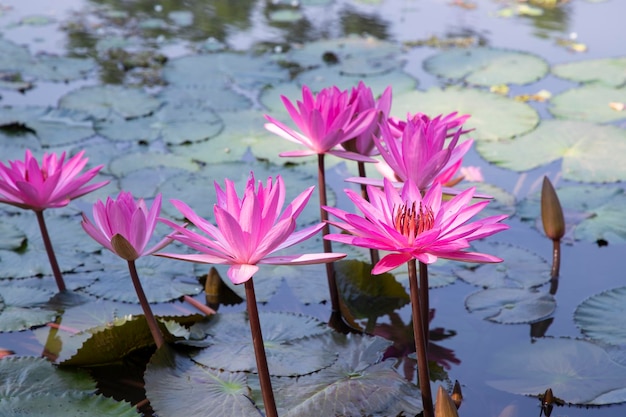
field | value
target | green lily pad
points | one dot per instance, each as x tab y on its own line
144	182
60	68
590	103
51	126
502	202
14	57
493	116
289	339
12	237
511	305
366	295
358	384
104	101
175	384
487	66
162	279
520	268
608	71
592	154
125	164
66	404
578	371
591	213
23	376
601	316
22	308
440	274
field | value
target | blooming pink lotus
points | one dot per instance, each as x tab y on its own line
363	99
248	230
55	183
325	120
415	227
124	226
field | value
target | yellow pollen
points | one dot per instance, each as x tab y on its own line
412	220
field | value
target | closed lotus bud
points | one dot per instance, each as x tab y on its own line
444	406
551	211
457	395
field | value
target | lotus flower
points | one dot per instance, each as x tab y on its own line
415	227
249	229
325	120
363	99
125	225
55	183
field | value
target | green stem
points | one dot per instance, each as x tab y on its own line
50	251
424	298
420	342
145	306
259	351
374	255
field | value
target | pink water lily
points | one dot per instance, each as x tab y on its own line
249	229
325	120
415	227
125	225
54	183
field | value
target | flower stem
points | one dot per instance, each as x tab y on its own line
374	255
50	251
259	351
420	342
145	306
556	266
424	299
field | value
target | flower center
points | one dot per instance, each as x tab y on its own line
412	220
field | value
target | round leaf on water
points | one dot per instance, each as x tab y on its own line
66	404
520	268
610	71
493	116
602	316
487	66
23	308
502	202
590	152
357	384
162	279
22	376
129	162
103	101
177	385
590	103
12	237
591	213
289	339
578	372
510	305
366	295
440	274
145	182
14	57
60	69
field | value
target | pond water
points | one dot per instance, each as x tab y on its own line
280	46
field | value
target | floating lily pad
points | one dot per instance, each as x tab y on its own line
487	66
145	182
162	279
289	339
23	376
51	126
358	384
511	305
12	237
609	71
440	274
493	116
14	57
22	308
577	371
590	103
66	404
520	268
175	384
104	101
591	213
590	153
127	163
502	202
602	316
60	68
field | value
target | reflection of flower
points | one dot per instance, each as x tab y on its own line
404	344
416	149
325	120
248	230
415	227
124	226
28	185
